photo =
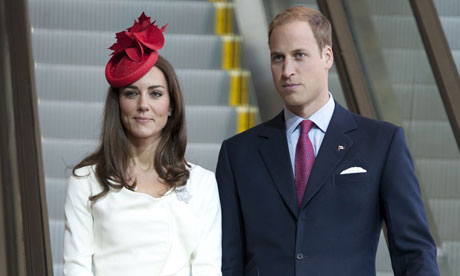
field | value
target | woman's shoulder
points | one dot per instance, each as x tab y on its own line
84	172
198	171
201	188
200	178
84	179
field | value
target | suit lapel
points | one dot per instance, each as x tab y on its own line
329	154
275	154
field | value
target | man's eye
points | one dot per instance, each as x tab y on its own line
299	55
277	58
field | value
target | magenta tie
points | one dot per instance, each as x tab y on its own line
304	159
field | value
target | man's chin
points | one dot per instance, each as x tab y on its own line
292	100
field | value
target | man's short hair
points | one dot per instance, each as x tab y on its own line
319	24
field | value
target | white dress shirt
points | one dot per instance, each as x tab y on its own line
129	233
320	118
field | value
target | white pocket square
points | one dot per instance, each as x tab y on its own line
353	170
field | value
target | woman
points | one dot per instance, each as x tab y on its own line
135	206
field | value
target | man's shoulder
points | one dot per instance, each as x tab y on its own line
246	137
361	127
254	133
363	122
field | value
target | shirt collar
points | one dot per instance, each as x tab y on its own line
321	118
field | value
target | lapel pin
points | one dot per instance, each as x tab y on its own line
340	147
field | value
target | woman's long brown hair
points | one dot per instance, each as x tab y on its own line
111	159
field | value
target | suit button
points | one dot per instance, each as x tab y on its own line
299	256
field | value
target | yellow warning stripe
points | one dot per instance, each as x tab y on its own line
231	48
223	18
231	51
246	117
238	94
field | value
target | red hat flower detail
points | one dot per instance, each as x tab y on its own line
135	52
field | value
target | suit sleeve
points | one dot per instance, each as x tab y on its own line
78	233
233	241
412	248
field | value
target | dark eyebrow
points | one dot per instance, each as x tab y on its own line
275	53
150	87
155	86
299	50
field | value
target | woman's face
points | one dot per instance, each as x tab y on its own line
144	107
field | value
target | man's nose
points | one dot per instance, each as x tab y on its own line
288	68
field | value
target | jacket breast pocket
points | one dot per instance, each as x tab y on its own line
351	193
340	179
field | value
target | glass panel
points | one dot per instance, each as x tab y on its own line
449	14
405	93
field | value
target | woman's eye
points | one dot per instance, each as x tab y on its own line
130	94
156	94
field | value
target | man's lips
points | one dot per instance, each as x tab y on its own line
290	86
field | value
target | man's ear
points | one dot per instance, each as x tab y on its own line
328	57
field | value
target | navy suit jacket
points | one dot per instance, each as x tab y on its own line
336	229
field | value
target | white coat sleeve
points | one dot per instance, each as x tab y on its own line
207	257
78	233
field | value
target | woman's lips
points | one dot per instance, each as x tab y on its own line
142	119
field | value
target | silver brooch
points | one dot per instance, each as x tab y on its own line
183	194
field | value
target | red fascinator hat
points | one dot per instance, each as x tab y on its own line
135	52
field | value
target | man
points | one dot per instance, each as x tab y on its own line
306	192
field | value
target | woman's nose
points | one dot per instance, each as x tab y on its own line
142	104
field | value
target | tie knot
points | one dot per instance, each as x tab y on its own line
305	126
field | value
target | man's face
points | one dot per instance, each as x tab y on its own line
299	70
